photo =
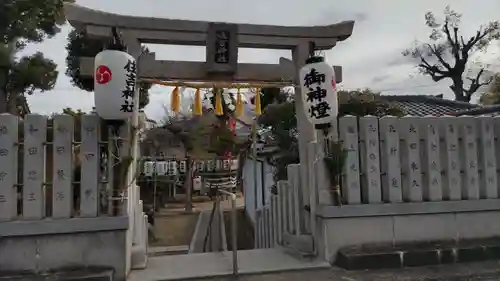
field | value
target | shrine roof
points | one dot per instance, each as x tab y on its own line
422	105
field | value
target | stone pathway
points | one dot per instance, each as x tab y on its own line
484	271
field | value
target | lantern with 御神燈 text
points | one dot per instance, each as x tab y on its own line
319	94
114	84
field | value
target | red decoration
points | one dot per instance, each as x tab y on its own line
103	74
334	85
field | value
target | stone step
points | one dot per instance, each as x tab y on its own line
301	246
168	250
417	254
81	274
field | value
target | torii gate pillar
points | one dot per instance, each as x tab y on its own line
225	68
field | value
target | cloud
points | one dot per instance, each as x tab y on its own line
370	57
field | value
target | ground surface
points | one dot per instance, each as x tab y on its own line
174	227
484	271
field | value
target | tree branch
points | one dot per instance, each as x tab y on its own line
480	34
439	56
455	44
475	84
433	70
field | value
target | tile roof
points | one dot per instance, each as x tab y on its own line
491	110
422	105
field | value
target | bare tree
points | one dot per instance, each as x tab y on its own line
447	53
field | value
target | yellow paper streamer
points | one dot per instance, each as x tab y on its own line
218	103
258	109
197	103
239	104
175	104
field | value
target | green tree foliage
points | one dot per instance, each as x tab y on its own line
280	118
447	53
492	96
21	23
79	45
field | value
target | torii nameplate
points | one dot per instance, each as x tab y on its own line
222	48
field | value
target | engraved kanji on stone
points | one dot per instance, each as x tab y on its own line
32	175
373	169
89	155
393	151
392	129
472	164
372	156
3	130
31	196
4	152
412	129
434	181
372	128
432	129
394	183
32	129
373	183
32	150
353	168
451	129
2	198
453	147
61	174
372	142
490	180
88	192
414	166
59	196
433	146
415	183
89	130
62	129
350	130
413	145
60	149
489	164
2	175
433	166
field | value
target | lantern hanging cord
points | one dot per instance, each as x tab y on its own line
116	42
217	85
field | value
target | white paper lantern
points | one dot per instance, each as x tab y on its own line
114	84
161	168
319	94
149	168
172	168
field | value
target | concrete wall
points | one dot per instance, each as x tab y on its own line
38	247
429	221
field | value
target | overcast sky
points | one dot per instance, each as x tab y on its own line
371	57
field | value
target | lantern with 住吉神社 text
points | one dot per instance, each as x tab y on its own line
319	94
114	84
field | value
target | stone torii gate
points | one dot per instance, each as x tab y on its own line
220	65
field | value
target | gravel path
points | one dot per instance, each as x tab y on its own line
484	271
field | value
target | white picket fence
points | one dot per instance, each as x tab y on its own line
37	168
394	160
